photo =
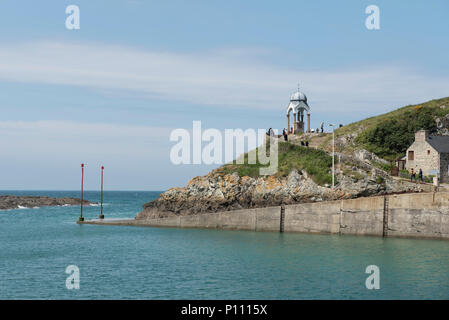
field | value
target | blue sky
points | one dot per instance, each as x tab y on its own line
112	91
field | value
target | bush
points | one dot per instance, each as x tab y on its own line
404	174
379	180
391	138
382	166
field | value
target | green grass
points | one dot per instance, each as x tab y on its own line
315	162
356	176
382	166
379	180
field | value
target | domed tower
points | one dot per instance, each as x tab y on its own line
298	105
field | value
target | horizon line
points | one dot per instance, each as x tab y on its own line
77	190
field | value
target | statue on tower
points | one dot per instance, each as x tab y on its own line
298	106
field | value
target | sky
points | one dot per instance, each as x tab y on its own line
111	92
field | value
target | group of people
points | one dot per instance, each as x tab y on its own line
286	132
413	176
270	133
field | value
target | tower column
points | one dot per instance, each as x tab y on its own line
294	122
288	123
308	122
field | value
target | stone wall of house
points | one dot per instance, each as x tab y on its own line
425	156
444	167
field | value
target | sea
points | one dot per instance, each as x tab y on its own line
41	247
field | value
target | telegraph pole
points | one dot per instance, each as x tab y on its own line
81	218
101	197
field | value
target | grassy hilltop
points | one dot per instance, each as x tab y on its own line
390	134
316	162
387	136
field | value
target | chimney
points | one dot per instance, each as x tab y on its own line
421	135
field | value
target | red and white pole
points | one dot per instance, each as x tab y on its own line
82	184
101	201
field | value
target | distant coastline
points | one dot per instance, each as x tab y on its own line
8	202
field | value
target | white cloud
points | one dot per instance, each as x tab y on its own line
34	138
47	155
212	78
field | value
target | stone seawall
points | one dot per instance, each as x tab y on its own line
417	215
261	219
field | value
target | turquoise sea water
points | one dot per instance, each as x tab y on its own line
36	246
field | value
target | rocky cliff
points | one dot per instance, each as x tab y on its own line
218	191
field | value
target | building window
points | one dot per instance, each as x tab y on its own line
428	152
411	155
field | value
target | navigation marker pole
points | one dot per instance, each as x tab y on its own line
81	218
101	216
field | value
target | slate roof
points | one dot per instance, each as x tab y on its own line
439	143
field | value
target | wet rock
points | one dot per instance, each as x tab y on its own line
14	202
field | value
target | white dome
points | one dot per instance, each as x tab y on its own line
298	103
298	96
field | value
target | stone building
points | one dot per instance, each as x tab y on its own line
429	153
298	106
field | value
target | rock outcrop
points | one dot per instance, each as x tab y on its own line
442	124
14	202
217	191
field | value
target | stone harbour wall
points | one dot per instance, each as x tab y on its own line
414	215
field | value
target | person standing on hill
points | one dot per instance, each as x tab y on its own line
420	176
322	127
412	175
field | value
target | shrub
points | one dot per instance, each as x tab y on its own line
379	180
391	138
